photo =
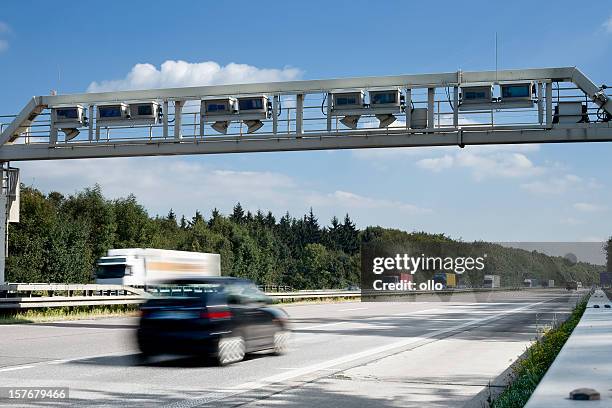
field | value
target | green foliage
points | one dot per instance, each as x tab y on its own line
540	356
133	227
46	314
60	238
96	214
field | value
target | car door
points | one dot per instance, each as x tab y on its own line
242	316
262	327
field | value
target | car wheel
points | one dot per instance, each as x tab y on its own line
230	349
281	341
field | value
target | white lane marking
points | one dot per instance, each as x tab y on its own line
15	368
295	368
365	318
320	325
59	361
437	309
412	313
353	308
62	361
249	386
316	367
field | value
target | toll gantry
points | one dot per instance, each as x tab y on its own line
544	105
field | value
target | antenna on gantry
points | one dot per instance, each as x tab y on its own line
496	68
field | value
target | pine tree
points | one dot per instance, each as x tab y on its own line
171	215
270	221
312	231
259	218
349	236
332	236
215	215
238	214
197	218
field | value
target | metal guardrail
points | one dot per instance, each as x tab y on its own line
275	288
37	295
52	287
315	294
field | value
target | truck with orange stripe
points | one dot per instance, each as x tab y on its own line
140	267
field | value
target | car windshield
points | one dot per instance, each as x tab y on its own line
110	271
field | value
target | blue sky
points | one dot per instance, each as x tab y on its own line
515	193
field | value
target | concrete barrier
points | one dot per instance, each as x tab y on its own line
585	361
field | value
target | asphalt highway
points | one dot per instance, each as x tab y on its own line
430	353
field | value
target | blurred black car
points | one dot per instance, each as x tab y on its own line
219	317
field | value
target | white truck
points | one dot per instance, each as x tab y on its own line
140	267
491	281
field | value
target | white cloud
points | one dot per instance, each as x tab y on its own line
607	25
181	73
393	152
588	207
437	164
483	166
372	123
347	199
484	162
505	165
556	185
571	221
388	153
3	45
186	185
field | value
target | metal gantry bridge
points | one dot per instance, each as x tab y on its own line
545	105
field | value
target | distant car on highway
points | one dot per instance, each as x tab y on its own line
219	317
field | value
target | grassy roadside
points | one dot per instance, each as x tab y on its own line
67	313
539	357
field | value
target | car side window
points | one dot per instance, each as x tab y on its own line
253	294
234	296
244	293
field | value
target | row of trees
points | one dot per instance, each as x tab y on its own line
512	264
60	238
